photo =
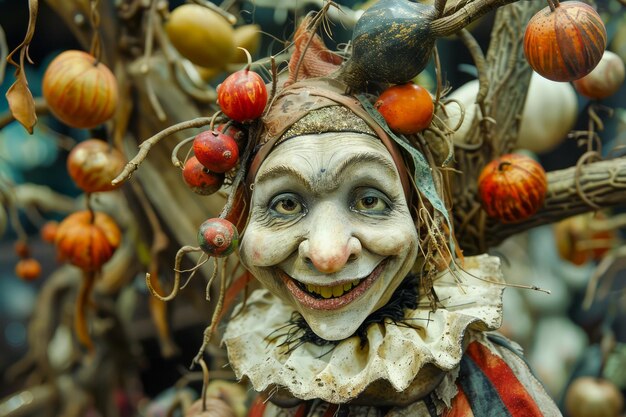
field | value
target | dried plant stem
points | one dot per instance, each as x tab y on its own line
176	287
241	174
481	67
205	382
160	240
313	27
8	197
217	313
175	161
149	41
439	77
80	315
448	25
146	145
96	42
440	6
154	101
581	193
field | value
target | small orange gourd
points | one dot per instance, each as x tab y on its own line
87	239
80	90
28	269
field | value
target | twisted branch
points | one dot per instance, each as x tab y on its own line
603	184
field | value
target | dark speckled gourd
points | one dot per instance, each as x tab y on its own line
391	43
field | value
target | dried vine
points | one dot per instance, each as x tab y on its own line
508	77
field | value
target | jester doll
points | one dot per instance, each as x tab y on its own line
367	307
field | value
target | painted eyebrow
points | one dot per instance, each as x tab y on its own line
334	179
360	158
281	171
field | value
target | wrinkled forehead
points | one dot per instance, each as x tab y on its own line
307	114
330	151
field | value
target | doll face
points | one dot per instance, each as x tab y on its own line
330	232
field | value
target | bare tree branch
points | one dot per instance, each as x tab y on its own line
603	182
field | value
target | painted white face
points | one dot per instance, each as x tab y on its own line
330	231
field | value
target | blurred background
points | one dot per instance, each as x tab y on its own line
578	329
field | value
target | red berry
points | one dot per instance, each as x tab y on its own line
218	237
232	131
216	151
242	96
200	179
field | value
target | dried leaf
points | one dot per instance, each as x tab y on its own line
21	102
20	98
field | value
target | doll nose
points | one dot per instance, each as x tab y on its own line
330	244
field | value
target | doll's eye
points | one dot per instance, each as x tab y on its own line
286	205
371	201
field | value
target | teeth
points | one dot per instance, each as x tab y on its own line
327	292
331	291
337	290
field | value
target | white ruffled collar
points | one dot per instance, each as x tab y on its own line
395	353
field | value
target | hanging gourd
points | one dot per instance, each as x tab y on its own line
512	187
87	239
93	164
565	41
80	90
28	269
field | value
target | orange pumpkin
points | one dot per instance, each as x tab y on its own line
87	240
79	90
28	269
512	187
93	164
566	43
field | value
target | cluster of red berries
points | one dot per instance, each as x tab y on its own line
242	97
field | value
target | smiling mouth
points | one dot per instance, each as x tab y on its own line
330	297
333	291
